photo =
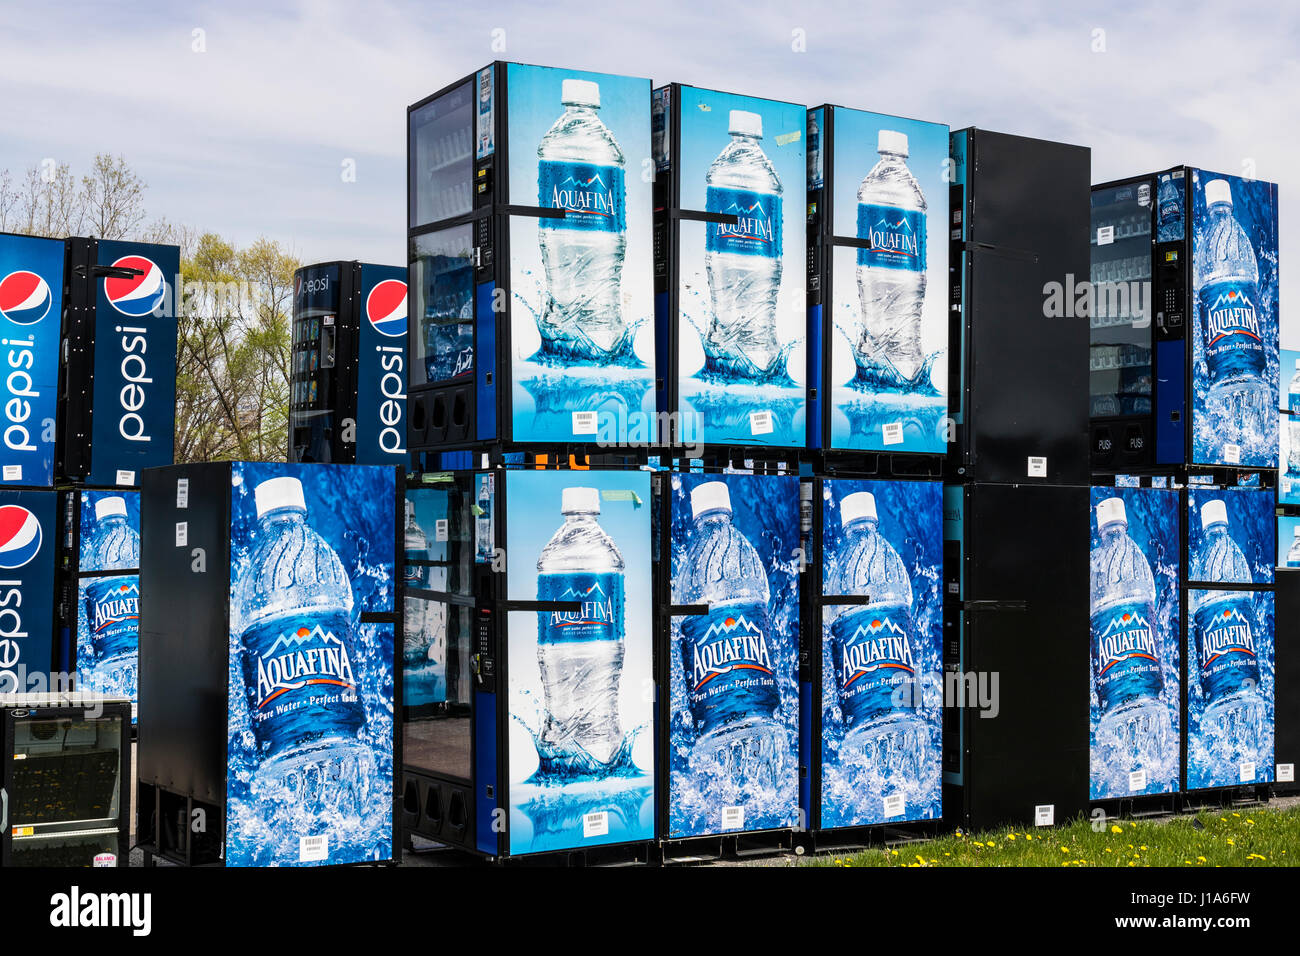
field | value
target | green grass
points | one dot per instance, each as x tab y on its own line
1242	837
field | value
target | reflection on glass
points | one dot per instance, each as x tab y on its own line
441	159
1121	309
442	291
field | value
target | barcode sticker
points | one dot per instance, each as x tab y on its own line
312	849
595	824
125	477
1232	454
1105	235
13	472
760	423
182	492
1286	773
1137	781
733	818
182	533
1247	771
894	805
584	423
892	433
440	530
1045	815
1037	467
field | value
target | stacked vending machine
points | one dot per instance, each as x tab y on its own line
347	402
871	669
269	682
1015	634
1287	646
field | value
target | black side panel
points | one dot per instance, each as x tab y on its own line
1028	370
1286	657
184	634
1030	547
76	379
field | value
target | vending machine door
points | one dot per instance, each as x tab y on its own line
313	420
28	564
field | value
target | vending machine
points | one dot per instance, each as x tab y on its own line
269	680
529	718
730	271
28	591
1183	363
878	222
347	402
1286	651
529	227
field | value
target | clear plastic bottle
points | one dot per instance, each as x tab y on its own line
415	617
1293	553
743	261
891	274
1169	209
113	602
1293	425
580	169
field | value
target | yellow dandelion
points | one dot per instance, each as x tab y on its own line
1065	849
1116	829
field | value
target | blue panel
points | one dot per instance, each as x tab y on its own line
485	347
455	460
1288	479
381	367
28	549
815	376
485	772
1171	398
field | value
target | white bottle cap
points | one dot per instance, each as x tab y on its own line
580	500
891	141
580	93
283	492
710	496
746	123
1297	365
1110	511
110	506
1218	190
1297	531
861	504
1214	512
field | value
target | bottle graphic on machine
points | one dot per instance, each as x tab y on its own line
292	607
580	652
1293	426
727	653
113	602
483	543
580	170
1224	622
1227	275
891	274
1169	209
874	650
416	636
743	260
1135	729
1293	553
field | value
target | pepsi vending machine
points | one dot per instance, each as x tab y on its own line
730	272
878	192
28	596
347	401
117	397
1184	321
529	227
530	692
269	682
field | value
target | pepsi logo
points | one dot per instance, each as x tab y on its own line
138	295
20	536
386	308
24	297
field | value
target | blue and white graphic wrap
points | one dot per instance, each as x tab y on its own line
594	198
757	230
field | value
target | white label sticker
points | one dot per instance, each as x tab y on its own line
105	859
125	477
892	433
182	492
1037	467
1247	770
760	423
584	423
1137	780
595	824
894	805
1105	235
329	320
733	818
1232	454
1286	773
13	472
440	530
312	849
1045	815
182	533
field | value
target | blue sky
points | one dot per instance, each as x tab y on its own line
248	137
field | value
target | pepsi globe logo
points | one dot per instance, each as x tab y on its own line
386	308
24	297
20	536
138	295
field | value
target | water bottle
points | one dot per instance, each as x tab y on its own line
580	170
1169	210
1228	277
1293	425
874	647
1293	554
580	653
726	654
415	627
1225	642
1136	726
292	608
814	152
743	261
483	520
113	602
891	274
